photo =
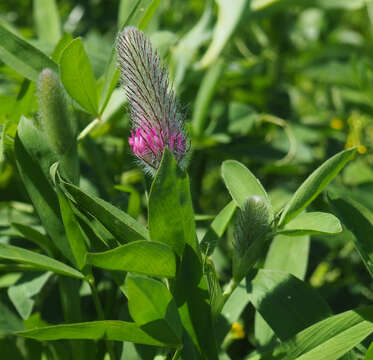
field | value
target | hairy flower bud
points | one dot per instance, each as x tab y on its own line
57	123
157	121
253	225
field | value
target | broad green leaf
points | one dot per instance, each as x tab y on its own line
22	56
33	159
288	254
153	308
171	217
94	330
359	221
312	223
14	253
145	257
204	96
286	303
60	47
22	293
241	182
120	224
217	228
77	76
75	234
9	322
229	15
47	20
315	184
328	339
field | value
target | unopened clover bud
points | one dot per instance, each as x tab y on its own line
157	121
252	230
56	123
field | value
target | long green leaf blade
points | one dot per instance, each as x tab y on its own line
120	224
328	339
47	19
94	330
14	253
314	184
22	56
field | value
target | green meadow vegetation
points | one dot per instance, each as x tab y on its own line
186	180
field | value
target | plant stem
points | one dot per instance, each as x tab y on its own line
88	128
100	314
177	354
229	290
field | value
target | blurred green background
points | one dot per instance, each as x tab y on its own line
280	85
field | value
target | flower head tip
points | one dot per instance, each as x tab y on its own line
157	122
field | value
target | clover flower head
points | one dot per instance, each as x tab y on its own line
157	121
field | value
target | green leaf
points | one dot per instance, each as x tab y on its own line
217	228
359	221
186	49
204	96
33	159
286	303
9	322
120	224
94	330
171	216
77	76
153	308
288	254
229	15
23	57
148	14
145	257
36	237
315	184
312	223
47	20
136	12
22	293
58	50
241	182
369	353
75	234
192	299
328	339
14	253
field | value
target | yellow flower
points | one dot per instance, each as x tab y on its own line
337	124
237	331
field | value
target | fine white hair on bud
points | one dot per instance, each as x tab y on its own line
253	222
157	121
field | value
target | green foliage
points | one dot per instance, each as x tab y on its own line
101	261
